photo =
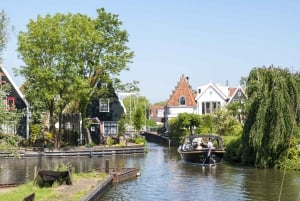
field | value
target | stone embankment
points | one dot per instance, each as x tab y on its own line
160	139
74	151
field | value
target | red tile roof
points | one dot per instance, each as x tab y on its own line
184	89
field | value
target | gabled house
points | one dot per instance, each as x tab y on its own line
15	100
182	100
105	112
210	97
237	94
157	113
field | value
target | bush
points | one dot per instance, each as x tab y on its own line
110	141
140	140
233	146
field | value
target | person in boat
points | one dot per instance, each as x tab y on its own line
186	145
209	147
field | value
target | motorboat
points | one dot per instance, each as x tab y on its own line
202	148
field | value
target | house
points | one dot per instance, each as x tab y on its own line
105	112
157	113
237	94
182	100
15	100
210	97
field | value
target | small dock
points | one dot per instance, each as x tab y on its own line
121	174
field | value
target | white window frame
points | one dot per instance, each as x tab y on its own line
110	128
104	105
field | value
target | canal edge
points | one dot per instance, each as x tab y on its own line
98	189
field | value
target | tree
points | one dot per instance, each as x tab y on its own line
272	115
66	55
184	124
137	118
137	111
3	32
226	123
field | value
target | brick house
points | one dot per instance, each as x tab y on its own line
182	100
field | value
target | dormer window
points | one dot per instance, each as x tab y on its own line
103	105
182	100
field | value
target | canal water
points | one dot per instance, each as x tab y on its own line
164	176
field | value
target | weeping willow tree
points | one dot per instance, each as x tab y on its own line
273	115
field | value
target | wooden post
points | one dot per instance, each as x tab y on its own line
107	166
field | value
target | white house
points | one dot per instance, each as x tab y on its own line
211	96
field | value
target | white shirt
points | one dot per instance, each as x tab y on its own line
209	145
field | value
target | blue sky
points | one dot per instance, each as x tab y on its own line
215	41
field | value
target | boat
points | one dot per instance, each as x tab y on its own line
194	149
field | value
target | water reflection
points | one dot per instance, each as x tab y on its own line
164	176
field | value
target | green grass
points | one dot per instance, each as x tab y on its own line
48	193
26	189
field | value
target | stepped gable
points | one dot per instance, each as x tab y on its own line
183	88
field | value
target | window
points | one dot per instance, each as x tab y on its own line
104	85
210	107
182	100
10	103
103	105
110	128
239	94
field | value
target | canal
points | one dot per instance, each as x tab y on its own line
164	176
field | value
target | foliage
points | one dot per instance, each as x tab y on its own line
121	125
290	159
137	111
9	119
272	115
66	55
233	145
137	118
110	141
189	121
45	194
9	143
226	124
140	140
3	32
122	144
176	131
12	140
35	132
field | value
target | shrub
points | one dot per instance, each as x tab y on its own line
233	145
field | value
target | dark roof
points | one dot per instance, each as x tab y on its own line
210	135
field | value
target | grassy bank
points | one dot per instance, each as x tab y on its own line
82	184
